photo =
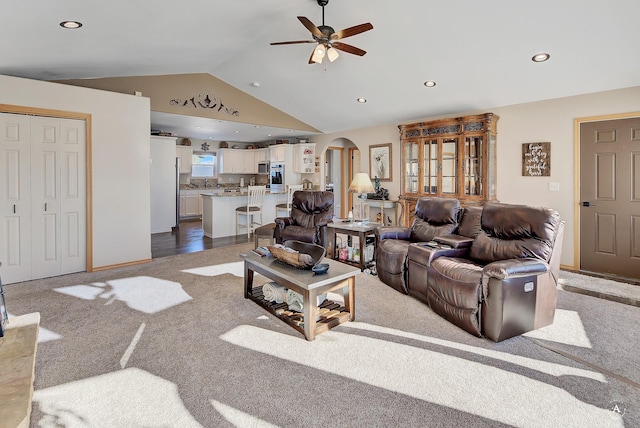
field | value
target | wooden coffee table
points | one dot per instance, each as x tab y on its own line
313	319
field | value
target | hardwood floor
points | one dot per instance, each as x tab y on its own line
189	238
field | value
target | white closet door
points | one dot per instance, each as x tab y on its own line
15	198
73	225
45	197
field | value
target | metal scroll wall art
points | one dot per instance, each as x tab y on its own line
205	100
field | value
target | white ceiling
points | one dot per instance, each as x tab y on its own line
478	52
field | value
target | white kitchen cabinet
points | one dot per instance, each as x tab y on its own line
304	158
262	155
189	203
230	161
249	162
185	153
279	153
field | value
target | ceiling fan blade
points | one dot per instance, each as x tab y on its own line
310	26
293	42
348	48
351	31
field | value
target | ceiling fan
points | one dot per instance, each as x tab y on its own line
326	38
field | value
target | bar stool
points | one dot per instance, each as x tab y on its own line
255	197
286	208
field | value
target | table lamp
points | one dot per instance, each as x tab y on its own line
361	184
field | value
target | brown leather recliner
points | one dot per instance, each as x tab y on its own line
434	217
504	283
310	213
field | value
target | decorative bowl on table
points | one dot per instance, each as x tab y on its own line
303	255
320	268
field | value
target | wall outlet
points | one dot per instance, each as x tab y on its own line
554	187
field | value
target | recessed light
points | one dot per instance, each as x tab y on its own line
429	83
236	131
540	57
362	100
255	84
71	24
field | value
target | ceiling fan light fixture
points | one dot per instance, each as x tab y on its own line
332	54
318	54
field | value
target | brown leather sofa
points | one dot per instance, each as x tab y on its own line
497	275
433	217
310	213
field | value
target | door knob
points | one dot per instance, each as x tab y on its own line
587	204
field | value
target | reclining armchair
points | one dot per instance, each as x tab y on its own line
433	217
502	283
310	213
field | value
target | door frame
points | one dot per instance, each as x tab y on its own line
63	114
344	186
577	175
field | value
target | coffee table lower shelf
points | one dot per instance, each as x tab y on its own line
330	313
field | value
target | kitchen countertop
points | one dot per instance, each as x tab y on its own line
231	194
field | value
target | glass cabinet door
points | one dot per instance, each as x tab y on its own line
473	166
412	167
430	177
449	166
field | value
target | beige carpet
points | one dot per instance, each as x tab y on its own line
174	343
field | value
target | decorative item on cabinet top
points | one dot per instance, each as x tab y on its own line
186	142
224	145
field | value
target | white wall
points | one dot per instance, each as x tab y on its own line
120	167
550	120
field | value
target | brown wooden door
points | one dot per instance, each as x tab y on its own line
610	197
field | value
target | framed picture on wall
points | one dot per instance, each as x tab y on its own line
380	162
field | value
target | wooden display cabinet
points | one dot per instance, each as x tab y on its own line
453	158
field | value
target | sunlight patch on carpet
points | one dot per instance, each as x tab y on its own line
235	268
459	383
125	398
239	418
567	328
141	293
530	363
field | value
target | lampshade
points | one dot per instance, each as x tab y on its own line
332	54
318	53
361	183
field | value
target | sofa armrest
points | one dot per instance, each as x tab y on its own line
512	268
454	241
392	232
282	222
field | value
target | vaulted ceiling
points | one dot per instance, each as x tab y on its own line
478	53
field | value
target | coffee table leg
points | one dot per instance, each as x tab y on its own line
248	280
349	297
310	311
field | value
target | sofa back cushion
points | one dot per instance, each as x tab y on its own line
309	209
434	217
515	231
470	224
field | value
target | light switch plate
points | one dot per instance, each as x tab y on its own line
554	186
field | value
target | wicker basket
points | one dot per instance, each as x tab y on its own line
299	254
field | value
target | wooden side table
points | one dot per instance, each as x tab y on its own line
352	229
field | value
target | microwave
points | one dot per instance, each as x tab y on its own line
263	168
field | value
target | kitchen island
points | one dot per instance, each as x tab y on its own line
219	211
